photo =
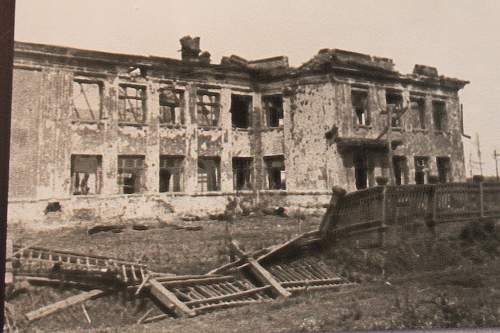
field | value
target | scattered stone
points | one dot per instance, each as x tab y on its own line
190	218
105	228
140	227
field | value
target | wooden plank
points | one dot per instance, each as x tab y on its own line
52	308
228	297
261	273
143	284
200	280
144	316
167	298
227	305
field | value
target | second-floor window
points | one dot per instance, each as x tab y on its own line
394	102
418	110
208	109
241	106
359	100
132	107
439	115
171	106
273	106
87	100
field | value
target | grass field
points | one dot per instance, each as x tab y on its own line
451	282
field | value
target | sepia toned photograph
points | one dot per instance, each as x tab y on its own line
253	166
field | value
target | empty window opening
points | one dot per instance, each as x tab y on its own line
87	100
418	108
276	176
360	171
131	174
208	174
359	100
86	174
439	115
241	111
421	169
208	109
400	170
273	106
444	169
132	108
242	173
395	105
171	106
171	173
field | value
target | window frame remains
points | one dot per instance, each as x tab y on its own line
274	112
135	167
81	174
275	167
173	165
213	108
124	98
397	108
242	173
174	106
439	115
362	108
100	88
209	181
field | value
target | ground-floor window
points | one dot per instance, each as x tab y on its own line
444	169
131	176
242	173
86	174
400	170
171	173
421	169
276	176
208	174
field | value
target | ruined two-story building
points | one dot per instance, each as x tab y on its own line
113	134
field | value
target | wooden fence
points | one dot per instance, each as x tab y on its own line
377	208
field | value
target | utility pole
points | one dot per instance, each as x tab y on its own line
495	156
389	147
480	162
470	165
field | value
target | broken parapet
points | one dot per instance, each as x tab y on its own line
279	62
190	50
424	70
269	63
234	61
342	57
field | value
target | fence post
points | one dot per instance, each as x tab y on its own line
434	194
481	200
384	218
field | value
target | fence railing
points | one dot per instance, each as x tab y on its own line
383	206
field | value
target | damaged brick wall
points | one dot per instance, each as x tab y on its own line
319	136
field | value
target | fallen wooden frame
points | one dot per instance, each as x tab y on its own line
191	296
61	305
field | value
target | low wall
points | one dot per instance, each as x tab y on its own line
161	205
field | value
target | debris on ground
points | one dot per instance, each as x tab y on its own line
253	277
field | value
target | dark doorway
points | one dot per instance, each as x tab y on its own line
360	171
443	166
400	174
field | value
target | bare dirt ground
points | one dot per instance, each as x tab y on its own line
450	282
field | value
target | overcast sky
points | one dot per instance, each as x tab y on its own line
461	38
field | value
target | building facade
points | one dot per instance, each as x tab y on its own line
113	135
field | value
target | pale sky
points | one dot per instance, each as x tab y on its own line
459	37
